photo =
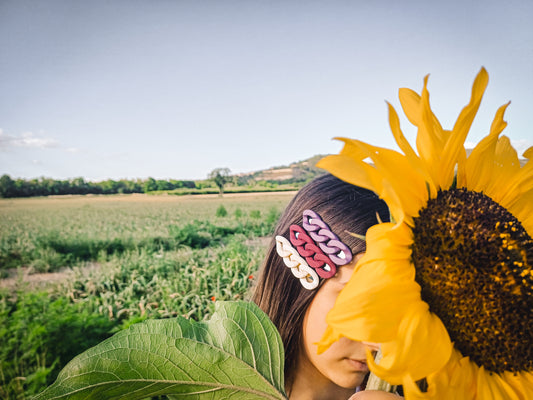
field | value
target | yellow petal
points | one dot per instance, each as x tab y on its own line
516	187
392	176
382	285
461	170
455	142
349	170
528	154
493	386
364	175
389	242
522	209
404	145
525	177
394	168
369	307
462	379
412	105
498	124
421	347
430	137
507	168
466	117
480	163
410	101
457	380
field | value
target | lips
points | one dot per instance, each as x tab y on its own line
358	365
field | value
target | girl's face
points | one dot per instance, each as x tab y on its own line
344	362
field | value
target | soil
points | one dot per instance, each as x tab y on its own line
25	277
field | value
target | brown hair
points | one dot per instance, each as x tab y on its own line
345	208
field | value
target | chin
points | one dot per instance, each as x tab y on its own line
350	380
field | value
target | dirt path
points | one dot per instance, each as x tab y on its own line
24	277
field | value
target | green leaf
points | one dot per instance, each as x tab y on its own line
238	354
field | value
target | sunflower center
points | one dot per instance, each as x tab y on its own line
474	263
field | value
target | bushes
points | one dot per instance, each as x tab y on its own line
221	211
41	335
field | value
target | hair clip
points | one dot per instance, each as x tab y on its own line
299	268
317	251
307	248
328	242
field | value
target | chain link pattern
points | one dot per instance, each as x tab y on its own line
307	248
299	268
328	242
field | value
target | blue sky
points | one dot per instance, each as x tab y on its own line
173	89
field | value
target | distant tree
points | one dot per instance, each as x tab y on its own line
132	186
7	186
220	176
163	185
79	186
22	188
149	185
189	184
244	180
175	184
108	187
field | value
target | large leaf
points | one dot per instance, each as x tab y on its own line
238	354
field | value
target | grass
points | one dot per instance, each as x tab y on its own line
49	233
129	258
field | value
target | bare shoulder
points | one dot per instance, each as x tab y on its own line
375	395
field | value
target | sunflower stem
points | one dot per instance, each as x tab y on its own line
375	382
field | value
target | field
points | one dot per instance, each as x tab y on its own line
76	269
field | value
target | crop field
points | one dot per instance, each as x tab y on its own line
76	269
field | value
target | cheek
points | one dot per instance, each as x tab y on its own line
314	325
315	319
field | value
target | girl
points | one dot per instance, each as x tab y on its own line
317	242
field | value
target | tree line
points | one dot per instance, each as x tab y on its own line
301	172
46	186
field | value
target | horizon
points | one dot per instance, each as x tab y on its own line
276	167
131	90
522	161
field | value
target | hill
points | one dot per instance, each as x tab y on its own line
299	171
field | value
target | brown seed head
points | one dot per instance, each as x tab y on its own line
474	263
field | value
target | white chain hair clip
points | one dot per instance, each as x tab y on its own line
299	268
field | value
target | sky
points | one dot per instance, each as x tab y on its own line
129	89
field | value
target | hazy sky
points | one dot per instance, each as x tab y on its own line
173	89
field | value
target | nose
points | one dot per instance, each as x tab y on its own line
372	346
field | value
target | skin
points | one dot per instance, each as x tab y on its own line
375	395
336	373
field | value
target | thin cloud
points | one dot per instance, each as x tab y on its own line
27	139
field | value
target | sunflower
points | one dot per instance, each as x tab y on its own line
447	286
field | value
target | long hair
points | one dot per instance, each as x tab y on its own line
345	208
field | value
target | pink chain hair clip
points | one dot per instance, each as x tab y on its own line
330	243
307	248
316	248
